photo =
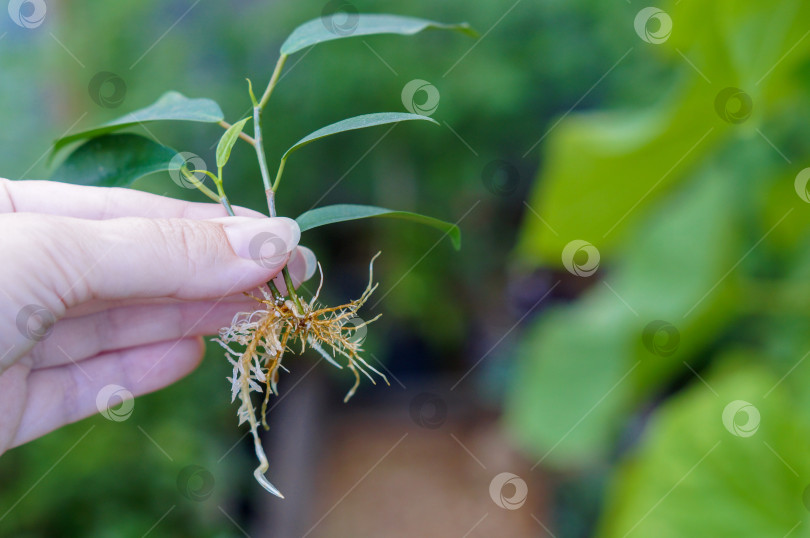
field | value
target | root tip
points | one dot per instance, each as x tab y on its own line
265	483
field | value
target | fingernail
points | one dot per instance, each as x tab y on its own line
310	262
266	241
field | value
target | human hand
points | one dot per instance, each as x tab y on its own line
115	286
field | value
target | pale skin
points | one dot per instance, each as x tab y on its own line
106	287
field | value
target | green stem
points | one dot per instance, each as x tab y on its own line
274	290
225	202
257	136
209	174
257	132
291	289
268	188
273	81
223	198
197	183
278	174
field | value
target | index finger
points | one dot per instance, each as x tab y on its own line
100	203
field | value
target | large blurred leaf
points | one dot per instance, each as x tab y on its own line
344	212
587	362
602	170
171	106
114	160
753	44
357	122
693	477
326	29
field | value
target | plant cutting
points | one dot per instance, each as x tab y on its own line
284	322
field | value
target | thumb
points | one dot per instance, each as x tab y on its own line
180	258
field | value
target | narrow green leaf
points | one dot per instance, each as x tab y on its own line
228	140
171	106
328	28
343	212
114	160
357	122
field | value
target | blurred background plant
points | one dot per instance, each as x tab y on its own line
651	374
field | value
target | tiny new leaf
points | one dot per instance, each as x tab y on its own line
228	140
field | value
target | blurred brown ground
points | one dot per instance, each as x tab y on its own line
427	485
369	469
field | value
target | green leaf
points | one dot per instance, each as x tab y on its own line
679	253
323	29
228	140
343	212
357	122
705	470
602	170
114	160
171	106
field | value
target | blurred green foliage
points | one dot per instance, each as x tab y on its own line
690	200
